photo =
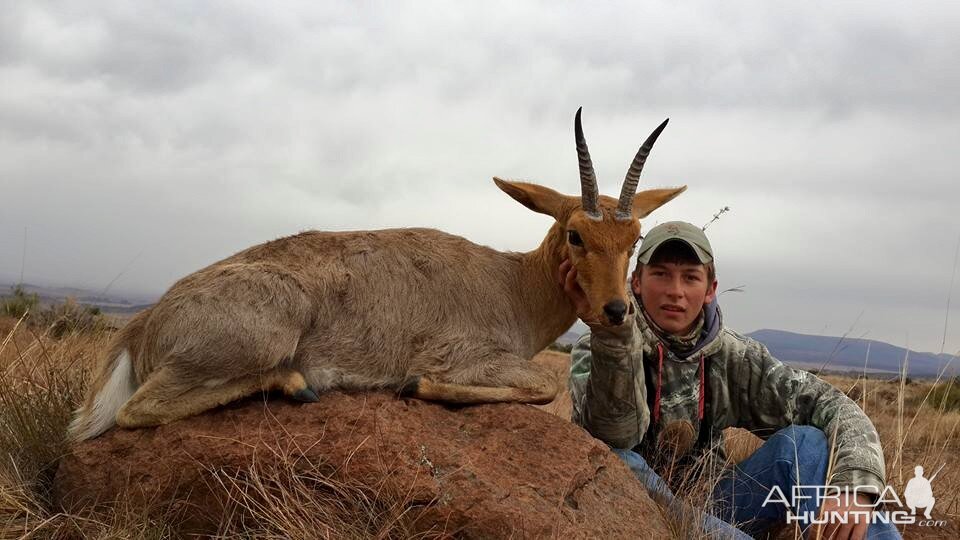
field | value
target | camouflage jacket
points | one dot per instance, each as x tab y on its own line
613	379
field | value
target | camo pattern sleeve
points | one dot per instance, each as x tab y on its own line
607	386
773	395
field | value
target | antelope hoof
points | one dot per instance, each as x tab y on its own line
293	384
409	387
306	395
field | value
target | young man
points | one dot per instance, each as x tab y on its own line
667	381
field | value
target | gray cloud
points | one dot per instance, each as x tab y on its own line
172	134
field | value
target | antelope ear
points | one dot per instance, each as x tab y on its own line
645	202
537	198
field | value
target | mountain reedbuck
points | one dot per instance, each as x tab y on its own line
425	313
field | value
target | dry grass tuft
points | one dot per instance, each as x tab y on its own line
284	496
41	381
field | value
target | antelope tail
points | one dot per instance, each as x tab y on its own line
112	388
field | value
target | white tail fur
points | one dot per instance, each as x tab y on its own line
102	415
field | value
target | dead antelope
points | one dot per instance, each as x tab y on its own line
419	311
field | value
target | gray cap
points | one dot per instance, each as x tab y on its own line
685	232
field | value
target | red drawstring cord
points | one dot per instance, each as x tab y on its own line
702	377
656	396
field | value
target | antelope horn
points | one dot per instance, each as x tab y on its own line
625	208
589	195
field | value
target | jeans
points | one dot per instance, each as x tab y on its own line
795	455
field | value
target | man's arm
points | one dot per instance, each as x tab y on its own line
607	385
773	395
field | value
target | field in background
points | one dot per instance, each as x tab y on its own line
42	379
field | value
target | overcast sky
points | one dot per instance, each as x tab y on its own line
147	139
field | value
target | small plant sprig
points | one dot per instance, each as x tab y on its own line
716	217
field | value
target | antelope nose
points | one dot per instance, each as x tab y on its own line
615	311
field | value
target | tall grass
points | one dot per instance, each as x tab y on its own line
41	381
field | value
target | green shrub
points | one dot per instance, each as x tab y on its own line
58	319
68	318
946	394
20	303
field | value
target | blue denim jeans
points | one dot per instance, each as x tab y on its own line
795	455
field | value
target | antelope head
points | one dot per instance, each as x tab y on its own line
600	233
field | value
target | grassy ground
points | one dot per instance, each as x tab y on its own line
42	380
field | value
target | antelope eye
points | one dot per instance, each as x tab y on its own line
574	238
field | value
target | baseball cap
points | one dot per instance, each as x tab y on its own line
682	231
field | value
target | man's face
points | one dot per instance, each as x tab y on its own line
674	294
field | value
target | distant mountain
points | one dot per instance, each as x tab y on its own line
850	354
108	303
835	354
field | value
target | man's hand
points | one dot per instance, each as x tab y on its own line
856	526
567	278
